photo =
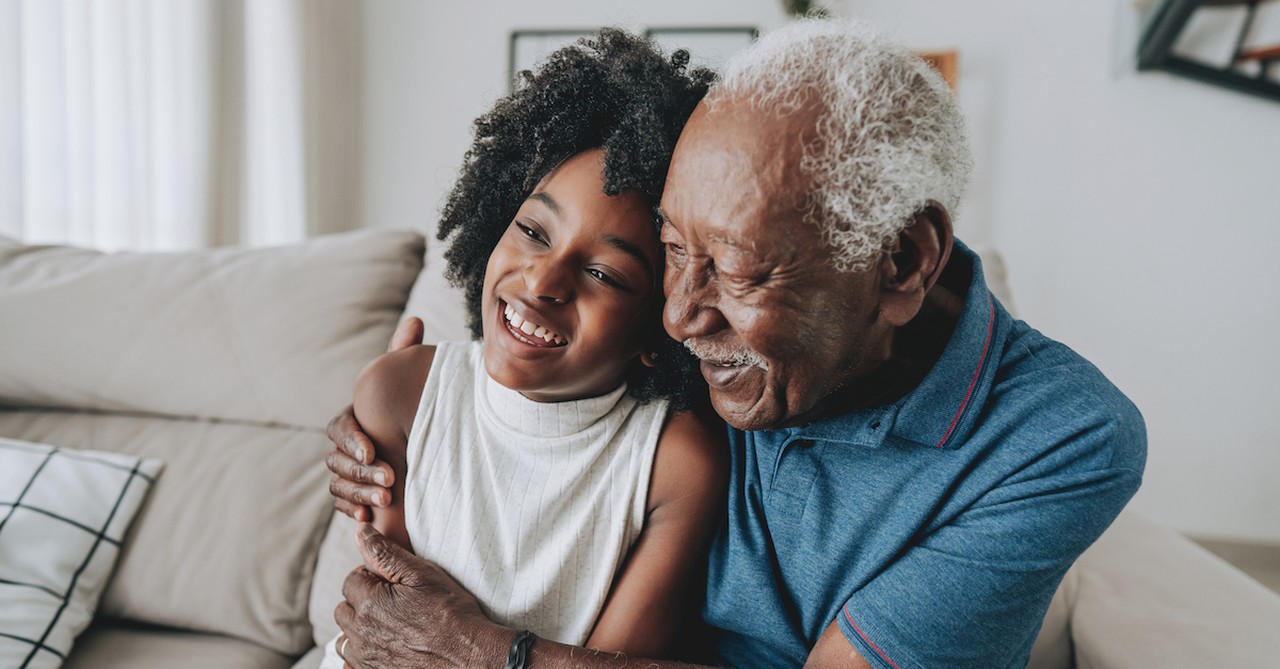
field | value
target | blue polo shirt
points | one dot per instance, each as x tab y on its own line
935	530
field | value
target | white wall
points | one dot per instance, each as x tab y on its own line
1138	212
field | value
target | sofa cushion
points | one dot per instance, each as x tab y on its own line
311	660
270	335
63	516
337	558
1145	596
226	542
107	646
1053	647
439	305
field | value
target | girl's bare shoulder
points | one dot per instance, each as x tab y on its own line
388	389
692	460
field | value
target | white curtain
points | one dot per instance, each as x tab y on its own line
175	124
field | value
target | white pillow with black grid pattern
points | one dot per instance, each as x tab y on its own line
63	517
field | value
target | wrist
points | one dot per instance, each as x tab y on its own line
518	654
489	644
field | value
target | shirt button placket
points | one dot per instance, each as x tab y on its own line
792	484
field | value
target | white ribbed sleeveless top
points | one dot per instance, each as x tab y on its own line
531	506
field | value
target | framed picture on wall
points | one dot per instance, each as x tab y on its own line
708	46
530	46
1228	44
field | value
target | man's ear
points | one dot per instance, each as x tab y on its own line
915	262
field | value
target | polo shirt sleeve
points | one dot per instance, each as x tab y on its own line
973	591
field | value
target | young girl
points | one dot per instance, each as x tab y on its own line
552	467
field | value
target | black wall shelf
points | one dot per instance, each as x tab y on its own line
1155	51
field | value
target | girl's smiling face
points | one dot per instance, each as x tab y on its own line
568	286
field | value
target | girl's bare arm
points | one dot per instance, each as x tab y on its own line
386	400
663	576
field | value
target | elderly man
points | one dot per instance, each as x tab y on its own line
913	471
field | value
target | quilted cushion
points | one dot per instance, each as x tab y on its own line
63	516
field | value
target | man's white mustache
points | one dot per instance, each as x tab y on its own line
724	355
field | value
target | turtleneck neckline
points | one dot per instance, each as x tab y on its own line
546	419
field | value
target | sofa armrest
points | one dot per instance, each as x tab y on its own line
1145	596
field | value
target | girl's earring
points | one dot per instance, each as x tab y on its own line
649	358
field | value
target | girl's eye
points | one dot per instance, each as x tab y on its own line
529	232
605	278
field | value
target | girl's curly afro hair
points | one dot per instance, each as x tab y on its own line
615	91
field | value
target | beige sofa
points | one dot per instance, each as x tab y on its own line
227	364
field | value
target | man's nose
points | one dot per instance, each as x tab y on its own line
693	304
548	280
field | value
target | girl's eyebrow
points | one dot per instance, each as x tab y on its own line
547	200
631	250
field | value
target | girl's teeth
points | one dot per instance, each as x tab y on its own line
528	328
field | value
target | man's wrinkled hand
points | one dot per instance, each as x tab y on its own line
403	612
359	481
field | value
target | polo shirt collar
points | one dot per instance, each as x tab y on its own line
942	410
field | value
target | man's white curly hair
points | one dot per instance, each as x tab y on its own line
890	134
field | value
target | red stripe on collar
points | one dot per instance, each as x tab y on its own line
986	347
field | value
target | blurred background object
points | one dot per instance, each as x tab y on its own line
179	124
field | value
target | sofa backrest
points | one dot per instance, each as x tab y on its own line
271	335
225	364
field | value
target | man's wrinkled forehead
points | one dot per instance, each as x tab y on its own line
709	236
735	160
762	140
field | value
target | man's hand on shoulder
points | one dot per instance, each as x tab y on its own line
359	480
